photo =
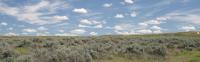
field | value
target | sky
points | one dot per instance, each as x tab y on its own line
97	17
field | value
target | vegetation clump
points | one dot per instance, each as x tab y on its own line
130	48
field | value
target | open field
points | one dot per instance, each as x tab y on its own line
170	47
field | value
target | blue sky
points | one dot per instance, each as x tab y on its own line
97	17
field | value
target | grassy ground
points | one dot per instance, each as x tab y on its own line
184	56
169	47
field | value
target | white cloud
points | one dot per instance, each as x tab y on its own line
98	26
60	18
3	23
125	32
141	28
129	1
98	22
29	30
151	26
127	29
41	28
118	27
32	13
80	10
93	33
65	34
119	16
85	23
133	14
154	22
143	24
9	10
62	31
11	34
78	31
157	31
83	26
156	28
148	27
188	28
145	31
123	27
191	16
10	28
40	31
107	5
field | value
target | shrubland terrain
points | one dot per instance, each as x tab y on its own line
169	47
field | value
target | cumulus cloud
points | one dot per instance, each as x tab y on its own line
151	26
136	29
123	27
129	1
93	33
29	30
157	31
86	21
3	23
143	24
60	18
133	14
62	31
144	31
125	32
10	34
119	16
107	5
156	28
188	28
41	28
83	26
80	10
98	26
10	28
32	13
40	31
65	34
154	22
91	23
78	31
157	21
